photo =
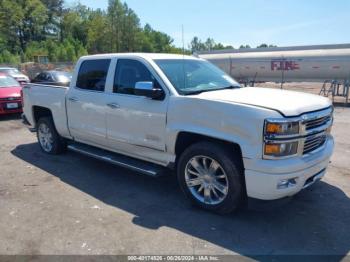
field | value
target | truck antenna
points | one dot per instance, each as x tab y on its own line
183	39
183	55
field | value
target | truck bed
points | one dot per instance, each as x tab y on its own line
50	97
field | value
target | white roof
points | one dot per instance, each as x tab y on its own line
147	56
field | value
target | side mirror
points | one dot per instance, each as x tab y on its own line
147	89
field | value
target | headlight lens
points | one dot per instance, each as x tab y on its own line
280	149
277	130
281	128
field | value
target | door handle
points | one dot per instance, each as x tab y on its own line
113	105
73	99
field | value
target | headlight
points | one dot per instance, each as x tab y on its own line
278	149
281	128
274	131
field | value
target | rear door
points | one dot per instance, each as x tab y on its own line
86	102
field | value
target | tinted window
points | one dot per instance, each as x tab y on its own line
128	73
49	77
93	74
40	77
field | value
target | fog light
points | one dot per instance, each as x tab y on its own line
287	183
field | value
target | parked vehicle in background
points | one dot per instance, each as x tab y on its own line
148	112
16	74
10	95
57	78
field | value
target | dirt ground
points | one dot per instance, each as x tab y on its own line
72	204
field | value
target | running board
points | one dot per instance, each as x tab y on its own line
140	166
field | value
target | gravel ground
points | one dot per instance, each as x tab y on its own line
71	204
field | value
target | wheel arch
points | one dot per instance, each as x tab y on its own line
39	112
185	139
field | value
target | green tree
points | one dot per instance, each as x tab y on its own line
22	21
115	15
45	27
74	23
97	41
7	58
54	16
197	45
209	44
244	46
131	28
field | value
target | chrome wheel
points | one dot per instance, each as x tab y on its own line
206	180
45	137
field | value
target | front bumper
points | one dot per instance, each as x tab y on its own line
263	176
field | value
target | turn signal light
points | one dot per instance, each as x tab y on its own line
273	128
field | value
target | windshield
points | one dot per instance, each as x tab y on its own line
195	76
10	71
6	81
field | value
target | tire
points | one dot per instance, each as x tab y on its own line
228	174
49	140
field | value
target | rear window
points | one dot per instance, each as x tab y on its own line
6	81
93	74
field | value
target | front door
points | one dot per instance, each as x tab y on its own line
135	124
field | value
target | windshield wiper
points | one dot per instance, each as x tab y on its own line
208	90
195	92
229	87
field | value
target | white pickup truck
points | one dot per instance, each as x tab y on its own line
153	112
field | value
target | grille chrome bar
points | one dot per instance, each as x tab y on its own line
317	122
311	144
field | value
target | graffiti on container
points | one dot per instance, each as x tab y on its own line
284	65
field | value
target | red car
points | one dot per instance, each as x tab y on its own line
10	95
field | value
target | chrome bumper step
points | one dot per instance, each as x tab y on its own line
139	166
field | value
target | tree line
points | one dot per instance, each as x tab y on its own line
198	45
31	28
47	27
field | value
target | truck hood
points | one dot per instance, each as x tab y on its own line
288	103
10	92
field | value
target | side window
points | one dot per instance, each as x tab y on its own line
93	74
40	77
128	73
49	77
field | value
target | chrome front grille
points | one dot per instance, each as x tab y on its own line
315	126
314	142
315	123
